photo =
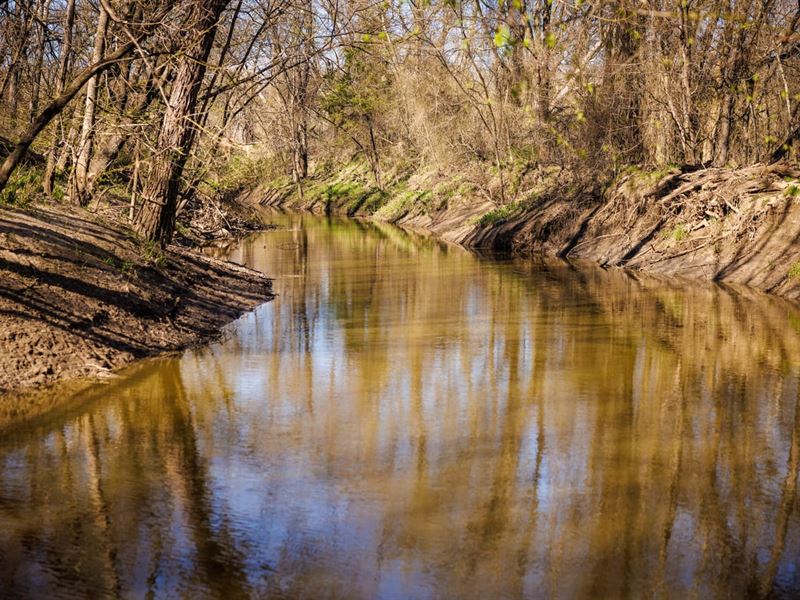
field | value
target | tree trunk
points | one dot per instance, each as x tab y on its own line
43	17
688	133
300	154
724	131
156	218
63	68
78	185
300	123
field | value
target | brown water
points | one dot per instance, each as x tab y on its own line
407	420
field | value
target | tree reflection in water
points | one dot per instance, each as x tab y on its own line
407	419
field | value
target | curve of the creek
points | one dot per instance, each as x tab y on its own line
411	420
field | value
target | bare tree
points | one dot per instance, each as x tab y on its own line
61	81
156	218
78	183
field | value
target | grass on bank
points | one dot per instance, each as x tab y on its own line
24	188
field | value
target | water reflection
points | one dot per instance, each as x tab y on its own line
407	420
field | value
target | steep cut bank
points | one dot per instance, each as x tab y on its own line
79	297
730	225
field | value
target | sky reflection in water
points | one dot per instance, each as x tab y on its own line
409	420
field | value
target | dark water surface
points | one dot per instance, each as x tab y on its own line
407	420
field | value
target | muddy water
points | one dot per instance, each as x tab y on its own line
407	420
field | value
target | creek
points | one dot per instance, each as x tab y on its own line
411	420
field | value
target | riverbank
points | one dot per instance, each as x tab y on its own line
739	226
80	297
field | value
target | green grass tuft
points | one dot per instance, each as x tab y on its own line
501	213
24	186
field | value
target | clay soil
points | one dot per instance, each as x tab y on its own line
81	298
738	226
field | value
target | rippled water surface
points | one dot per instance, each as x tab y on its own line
408	420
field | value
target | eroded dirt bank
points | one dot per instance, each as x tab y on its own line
739	226
81	298
731	225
